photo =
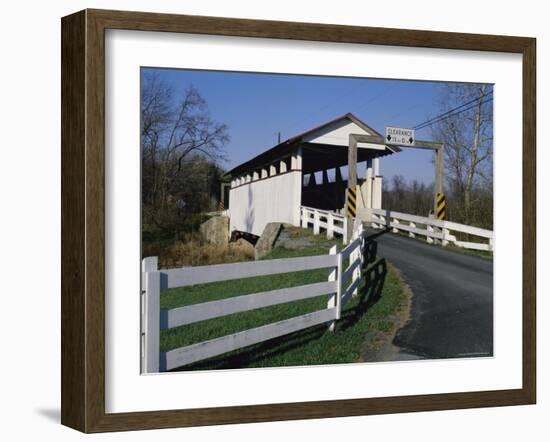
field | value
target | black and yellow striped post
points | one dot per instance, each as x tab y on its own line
441	206
351	202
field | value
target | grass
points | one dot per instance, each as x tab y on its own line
381	295
486	254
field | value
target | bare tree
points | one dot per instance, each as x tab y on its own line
468	136
414	198
176	132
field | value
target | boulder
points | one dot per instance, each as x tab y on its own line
216	230
267	240
242	247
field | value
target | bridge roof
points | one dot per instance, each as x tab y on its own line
324	147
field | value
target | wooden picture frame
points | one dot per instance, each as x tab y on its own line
83	218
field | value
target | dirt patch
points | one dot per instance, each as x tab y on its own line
289	239
297	238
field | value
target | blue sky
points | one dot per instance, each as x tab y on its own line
256	107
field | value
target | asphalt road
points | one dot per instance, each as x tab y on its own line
452	302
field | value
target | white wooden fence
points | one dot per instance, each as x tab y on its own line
332	222
154	319
433	229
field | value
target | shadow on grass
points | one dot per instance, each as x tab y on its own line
369	293
259	352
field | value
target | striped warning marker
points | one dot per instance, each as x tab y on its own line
441	205
351	203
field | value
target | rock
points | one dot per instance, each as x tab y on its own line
268	238
242	246
216	230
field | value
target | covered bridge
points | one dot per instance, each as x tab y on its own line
305	170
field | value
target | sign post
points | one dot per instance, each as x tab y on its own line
351	195
351	203
404	137
441	206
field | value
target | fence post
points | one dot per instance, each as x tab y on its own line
330	226
305	216
345	230
357	254
395	221
151	316
316	220
333	276
430	229
445	232
150	264
413	225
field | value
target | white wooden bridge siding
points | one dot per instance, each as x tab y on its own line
273	199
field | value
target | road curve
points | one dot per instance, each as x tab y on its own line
452	301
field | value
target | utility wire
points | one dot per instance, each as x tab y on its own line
321	109
443	118
376	97
454	109
339	98
452	112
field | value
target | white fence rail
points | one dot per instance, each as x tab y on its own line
155	319
331	222
433	229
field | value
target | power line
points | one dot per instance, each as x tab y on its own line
443	118
403	112
454	109
451	111
376	97
339	98
324	107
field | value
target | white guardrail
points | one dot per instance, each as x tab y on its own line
154	319
332	222
433	229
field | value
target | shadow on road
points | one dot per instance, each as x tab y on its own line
371	247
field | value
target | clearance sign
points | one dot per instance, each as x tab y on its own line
400	136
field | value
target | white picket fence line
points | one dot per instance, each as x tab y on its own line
332	222
154	319
434	230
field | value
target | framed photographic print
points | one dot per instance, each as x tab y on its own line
268	220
